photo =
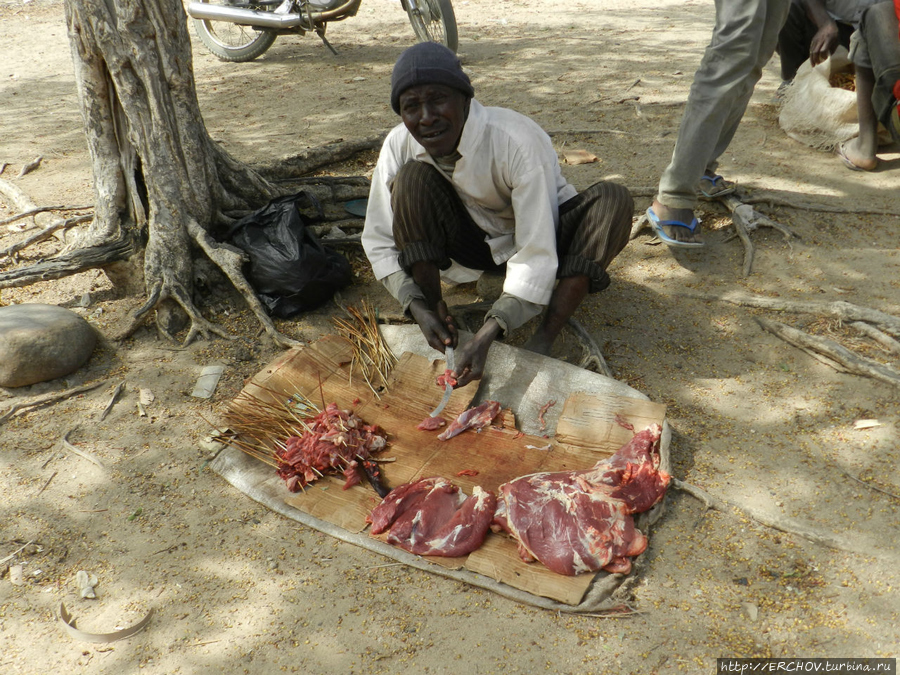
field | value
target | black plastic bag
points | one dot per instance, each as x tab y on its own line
290	269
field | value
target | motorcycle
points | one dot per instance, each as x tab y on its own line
242	30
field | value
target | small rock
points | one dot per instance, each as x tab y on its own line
751	611
16	575
42	342
86	583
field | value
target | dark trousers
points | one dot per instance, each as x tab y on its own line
879	30
796	37
432	224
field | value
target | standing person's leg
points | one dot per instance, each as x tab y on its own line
880	25
743	40
875	50
794	40
594	227
858	154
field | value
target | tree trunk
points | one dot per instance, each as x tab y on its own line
161	183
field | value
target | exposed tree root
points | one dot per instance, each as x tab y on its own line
839	309
746	219
44	234
69	263
831	353
47	399
769	197
885	340
593	356
169	289
316	158
717	504
230	259
40	209
22	203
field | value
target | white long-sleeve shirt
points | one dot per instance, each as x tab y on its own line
509	180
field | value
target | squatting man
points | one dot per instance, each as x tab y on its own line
460	188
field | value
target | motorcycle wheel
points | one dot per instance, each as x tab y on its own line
232	42
434	21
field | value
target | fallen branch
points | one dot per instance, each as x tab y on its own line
47	399
721	505
838	309
831	353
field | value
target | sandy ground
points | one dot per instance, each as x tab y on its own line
238	589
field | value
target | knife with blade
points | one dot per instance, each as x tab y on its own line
448	388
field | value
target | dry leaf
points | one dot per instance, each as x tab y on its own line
866	424
579	157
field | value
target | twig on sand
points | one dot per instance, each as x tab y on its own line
47	483
17	551
869	485
47	399
81	453
831	353
112	400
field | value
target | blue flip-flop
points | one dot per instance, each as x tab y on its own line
720	186
658	228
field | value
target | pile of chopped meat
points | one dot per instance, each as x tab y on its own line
431	516
581	521
335	441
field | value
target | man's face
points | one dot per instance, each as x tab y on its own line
435	115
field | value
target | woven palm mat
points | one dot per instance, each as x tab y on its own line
583	426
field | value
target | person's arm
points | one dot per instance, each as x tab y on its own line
506	314
531	271
827	37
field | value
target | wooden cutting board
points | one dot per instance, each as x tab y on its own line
590	427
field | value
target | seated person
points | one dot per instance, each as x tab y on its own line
875	51
460	186
814	29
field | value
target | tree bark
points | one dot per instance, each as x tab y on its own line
156	169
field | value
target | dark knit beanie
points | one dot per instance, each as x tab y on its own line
427	63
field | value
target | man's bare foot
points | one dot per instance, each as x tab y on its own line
856	158
686	216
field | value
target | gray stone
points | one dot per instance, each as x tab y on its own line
42	342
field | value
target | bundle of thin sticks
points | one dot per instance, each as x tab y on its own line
302	442
371	355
